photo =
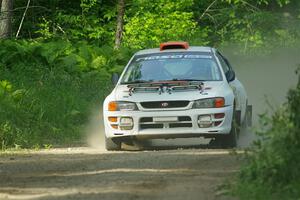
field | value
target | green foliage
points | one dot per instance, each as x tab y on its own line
272	168
249	25
161	20
259	2
47	89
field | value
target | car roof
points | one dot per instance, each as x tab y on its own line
190	49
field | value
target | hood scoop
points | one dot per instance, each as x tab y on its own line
165	87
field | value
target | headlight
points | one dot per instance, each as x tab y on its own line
121	106
217	102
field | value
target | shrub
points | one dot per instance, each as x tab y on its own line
272	167
48	88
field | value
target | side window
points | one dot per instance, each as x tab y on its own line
223	62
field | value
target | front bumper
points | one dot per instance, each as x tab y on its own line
168	129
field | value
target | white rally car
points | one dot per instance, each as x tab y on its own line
176	91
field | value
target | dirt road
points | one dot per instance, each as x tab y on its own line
85	173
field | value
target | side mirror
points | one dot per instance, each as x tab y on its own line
115	78
230	75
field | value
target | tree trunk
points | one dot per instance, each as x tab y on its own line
120	23
6	18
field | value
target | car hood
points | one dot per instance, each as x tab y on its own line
211	89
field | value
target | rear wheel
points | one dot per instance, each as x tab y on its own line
244	123
112	144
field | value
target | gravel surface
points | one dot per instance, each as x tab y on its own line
86	173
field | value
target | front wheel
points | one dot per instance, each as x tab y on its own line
229	140
112	144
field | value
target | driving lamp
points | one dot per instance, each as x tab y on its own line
204	121
126	123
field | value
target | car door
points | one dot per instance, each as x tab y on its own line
237	87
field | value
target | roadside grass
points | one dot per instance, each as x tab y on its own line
13	151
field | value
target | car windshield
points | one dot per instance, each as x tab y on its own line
172	67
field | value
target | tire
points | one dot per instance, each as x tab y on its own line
132	144
229	140
112	144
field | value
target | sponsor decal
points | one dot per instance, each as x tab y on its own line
175	56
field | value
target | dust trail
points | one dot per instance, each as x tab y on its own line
266	79
95	130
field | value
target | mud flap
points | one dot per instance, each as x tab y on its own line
249	115
238	117
238	121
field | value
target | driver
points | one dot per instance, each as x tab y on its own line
153	71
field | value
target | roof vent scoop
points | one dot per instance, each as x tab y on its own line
174	45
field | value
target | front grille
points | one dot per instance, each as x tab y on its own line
184	118
149	126
180	125
164	104
146	119
149	123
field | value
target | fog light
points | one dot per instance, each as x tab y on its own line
113	119
204	121
219	115
217	123
126	123
114	126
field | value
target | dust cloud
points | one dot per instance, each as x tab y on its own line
95	130
267	80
